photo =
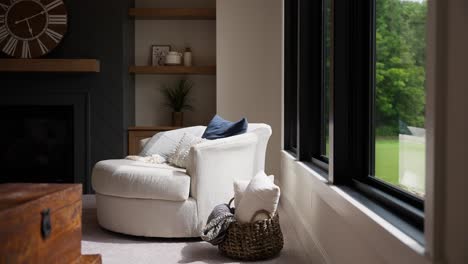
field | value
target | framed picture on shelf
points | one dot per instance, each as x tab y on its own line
158	54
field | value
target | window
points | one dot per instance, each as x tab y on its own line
307	80
399	94
327	78
290	76
358	106
379	103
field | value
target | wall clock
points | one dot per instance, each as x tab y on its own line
31	28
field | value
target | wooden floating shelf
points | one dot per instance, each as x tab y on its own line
152	128
173	13
49	65
203	70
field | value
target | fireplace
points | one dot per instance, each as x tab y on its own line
44	137
37	143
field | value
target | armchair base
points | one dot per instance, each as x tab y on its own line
147	217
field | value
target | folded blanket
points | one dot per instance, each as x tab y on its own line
153	159
218	222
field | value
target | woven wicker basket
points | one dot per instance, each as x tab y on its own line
255	240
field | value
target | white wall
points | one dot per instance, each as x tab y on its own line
249	66
334	227
337	229
200	35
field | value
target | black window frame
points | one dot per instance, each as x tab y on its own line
290	75
304	81
353	107
310	81
351	130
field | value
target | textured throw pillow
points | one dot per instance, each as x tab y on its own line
180	156
240	186
239	189
164	143
220	128
261	193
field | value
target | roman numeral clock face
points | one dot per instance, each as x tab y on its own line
31	28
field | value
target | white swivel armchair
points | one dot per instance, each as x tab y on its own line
159	200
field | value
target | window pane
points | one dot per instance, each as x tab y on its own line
400	94
327	40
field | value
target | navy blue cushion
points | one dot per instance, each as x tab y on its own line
220	128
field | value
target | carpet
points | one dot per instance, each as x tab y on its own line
119	248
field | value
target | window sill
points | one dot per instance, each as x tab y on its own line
383	225
387	239
386	214
291	152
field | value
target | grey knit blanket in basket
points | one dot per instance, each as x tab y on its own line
218	222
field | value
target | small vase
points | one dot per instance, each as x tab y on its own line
177	119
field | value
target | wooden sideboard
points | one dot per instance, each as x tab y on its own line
135	134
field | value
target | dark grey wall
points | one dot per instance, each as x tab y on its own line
101	30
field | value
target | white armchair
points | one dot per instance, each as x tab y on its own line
163	201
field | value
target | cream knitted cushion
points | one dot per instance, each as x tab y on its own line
181	153
164	143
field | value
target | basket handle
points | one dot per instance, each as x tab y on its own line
261	211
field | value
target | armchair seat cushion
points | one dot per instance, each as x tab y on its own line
135	179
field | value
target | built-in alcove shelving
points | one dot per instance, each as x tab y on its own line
173	14
180	25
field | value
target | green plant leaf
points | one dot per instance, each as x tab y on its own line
177	97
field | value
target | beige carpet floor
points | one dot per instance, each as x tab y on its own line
118	248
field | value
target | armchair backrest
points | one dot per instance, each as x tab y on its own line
263	131
214	165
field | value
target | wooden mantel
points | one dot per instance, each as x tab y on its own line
49	65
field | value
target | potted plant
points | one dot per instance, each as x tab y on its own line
177	99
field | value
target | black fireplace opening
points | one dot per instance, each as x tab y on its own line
37	144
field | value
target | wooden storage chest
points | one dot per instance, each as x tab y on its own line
40	223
